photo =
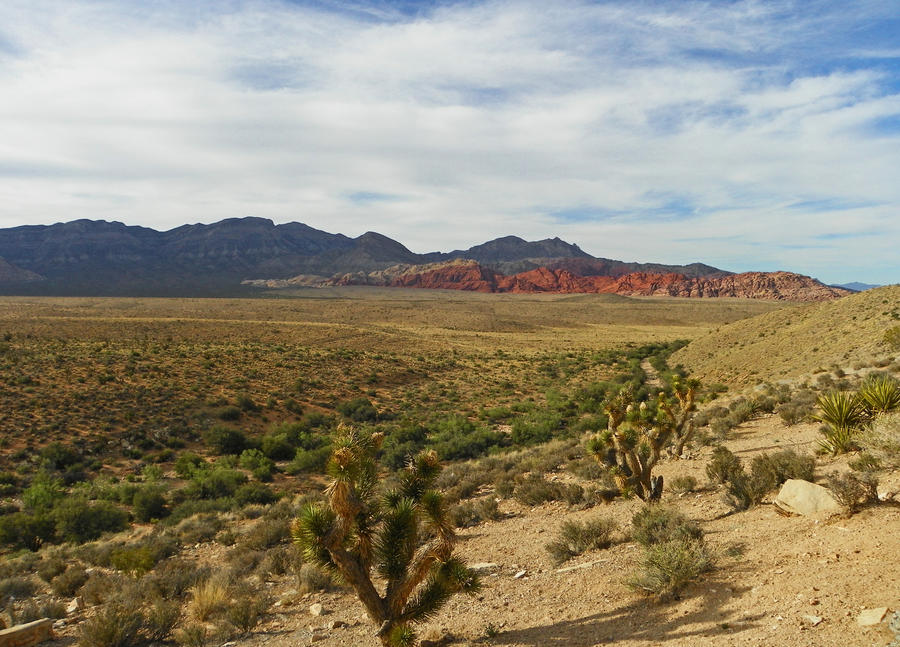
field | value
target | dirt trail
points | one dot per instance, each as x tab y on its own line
652	375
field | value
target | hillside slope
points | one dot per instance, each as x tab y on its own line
795	341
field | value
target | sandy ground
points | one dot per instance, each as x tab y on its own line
779	581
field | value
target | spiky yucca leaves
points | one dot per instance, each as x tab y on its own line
842	413
402	536
880	395
636	436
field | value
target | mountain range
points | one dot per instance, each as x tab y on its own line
235	256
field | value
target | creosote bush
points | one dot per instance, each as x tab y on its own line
855	490
654	524
575	538
667	567
674	551
723	465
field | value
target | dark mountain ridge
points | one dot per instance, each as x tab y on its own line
96	257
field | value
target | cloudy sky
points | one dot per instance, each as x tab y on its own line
748	135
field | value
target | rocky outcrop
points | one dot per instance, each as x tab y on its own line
471	276
10	273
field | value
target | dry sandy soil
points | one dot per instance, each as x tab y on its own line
774	577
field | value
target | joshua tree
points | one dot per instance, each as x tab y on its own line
635	437
403	536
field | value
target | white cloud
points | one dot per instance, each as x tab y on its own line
484	119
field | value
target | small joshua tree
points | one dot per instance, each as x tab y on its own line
636	437
403	536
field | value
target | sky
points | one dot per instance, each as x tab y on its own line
748	135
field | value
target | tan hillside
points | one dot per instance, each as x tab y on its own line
793	341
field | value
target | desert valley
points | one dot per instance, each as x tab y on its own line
159	455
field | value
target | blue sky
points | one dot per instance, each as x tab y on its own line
749	135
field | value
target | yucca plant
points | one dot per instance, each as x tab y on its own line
842	413
636	436
880	395
402	536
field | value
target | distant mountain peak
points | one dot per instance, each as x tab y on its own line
95	257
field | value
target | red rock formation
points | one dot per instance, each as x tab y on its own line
470	276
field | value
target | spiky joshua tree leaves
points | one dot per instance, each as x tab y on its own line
637	436
401	536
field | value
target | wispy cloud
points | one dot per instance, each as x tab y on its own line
635	129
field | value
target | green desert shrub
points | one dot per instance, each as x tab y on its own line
149	503
261	466
265	534
535	490
66	584
358	410
854	490
472	513
722	465
772	470
18	587
114	625
172	578
78	521
575	538
654	524
226	440
683	484
214	483
313	460
277	447
668	566
50	567
188	463
743	491
27	530
882	440
255	492
199	528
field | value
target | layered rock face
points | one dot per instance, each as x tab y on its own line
471	276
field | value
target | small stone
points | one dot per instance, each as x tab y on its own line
813	621
317	609
870	617
317	637
519	575
75	605
484	567
335	624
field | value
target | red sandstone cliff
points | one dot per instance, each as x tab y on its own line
470	276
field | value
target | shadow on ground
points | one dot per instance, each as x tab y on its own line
645	620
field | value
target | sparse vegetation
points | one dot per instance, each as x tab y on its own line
164	428
575	538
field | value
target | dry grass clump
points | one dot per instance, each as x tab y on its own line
472	513
114	625
575	538
311	578
208	598
683	484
